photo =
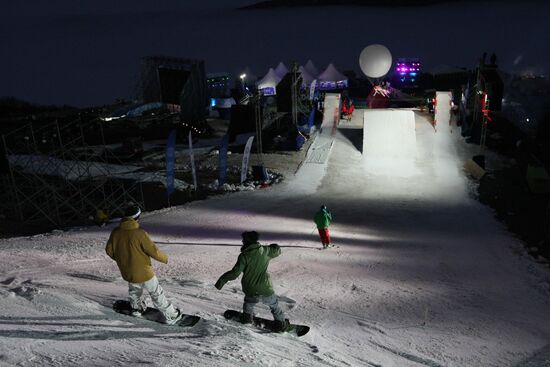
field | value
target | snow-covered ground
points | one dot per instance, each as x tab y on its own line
423	276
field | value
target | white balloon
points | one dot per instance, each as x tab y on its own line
375	61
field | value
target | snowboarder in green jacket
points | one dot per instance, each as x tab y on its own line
252	262
322	219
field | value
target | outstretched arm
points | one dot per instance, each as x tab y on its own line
273	250
231	274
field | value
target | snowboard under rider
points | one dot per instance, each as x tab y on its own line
132	249
256	283
322	219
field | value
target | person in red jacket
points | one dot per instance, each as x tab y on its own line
344	109
350	110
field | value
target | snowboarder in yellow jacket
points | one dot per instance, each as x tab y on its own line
132	249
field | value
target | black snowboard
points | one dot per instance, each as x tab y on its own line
298	330
152	314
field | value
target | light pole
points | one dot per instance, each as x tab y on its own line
243	76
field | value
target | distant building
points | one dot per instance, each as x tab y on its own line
178	83
164	78
218	85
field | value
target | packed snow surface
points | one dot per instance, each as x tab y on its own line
423	275
389	142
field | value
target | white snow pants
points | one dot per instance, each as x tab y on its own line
157	295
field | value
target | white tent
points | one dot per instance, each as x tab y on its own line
332	79
268	84
307	78
281	70
331	74
311	69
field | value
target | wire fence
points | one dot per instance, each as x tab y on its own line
60	173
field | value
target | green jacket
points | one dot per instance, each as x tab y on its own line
322	218
132	249
253	262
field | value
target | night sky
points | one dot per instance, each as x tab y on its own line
88	52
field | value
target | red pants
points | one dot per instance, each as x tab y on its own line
325	236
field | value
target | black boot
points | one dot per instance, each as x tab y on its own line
281	326
246	318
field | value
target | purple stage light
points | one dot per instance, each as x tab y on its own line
407	71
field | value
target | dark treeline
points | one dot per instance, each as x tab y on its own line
12	105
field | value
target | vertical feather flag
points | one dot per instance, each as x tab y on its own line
222	163
246	156
170	158
192	159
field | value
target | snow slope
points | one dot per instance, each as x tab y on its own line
424	276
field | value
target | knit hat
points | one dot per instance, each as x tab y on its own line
250	237
132	211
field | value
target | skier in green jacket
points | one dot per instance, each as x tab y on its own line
252	262
322	219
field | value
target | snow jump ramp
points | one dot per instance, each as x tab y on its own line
321	147
389	141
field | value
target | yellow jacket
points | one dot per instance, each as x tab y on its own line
132	249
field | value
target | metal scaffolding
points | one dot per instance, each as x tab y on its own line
59	174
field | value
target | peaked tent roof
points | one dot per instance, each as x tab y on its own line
307	79
281	70
311	69
271	79
331	74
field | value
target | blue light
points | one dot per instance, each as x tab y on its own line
212	102
413	74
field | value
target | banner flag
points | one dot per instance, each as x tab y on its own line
311	118
222	162
312	89
246	156
192	159
170	158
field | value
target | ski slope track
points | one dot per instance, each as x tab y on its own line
423	276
